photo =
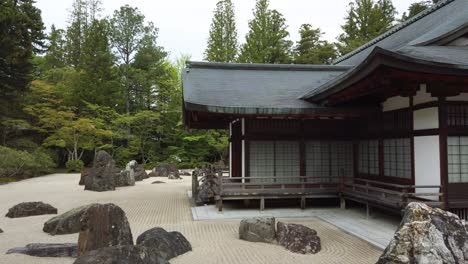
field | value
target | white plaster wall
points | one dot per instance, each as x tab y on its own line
396	102
422	96
460	97
427	118
427	163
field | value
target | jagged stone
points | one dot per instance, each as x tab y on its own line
167	244
298	238
121	255
84	173
127	177
174	176
427	235
258	229
163	170
209	188
140	173
103	225
47	250
66	223
30	209
102	175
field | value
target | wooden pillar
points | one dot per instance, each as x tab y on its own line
443	150
262	204
342	202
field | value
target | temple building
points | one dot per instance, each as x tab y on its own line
384	125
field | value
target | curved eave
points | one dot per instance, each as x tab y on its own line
268	111
381	57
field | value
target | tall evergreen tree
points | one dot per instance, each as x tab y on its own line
76	32
418	7
21	35
366	19
222	42
266	41
311	49
55	54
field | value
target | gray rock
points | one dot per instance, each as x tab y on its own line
103	225
102	175
174	176
121	255
30	209
157	182
47	250
140	173
127	177
84	173
298	238
258	229
1	231
164	169
428	235
66	223
167	244
209	188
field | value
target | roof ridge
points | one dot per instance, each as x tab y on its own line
395	29
258	66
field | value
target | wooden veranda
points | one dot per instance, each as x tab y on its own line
371	193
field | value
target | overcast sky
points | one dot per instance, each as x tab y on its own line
184	24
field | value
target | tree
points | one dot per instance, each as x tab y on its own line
76	32
366	19
55	53
127	35
21	35
222	42
311	49
416	8
266	41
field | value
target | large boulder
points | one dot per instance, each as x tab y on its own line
84	173
427	235
258	229
102	175
30	209
127	177
298	238
140	173
121	255
167	244
209	188
103	225
47	250
66	223
163	170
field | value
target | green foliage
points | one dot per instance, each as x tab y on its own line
21	164
222	42
74	165
266	41
366	19
416	8
20	36
311	49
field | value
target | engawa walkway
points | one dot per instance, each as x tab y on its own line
377	230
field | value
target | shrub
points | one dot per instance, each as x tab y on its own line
74	165
21	164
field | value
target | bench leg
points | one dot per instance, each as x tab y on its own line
303	203
220	205
342	203
368	211
262	204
